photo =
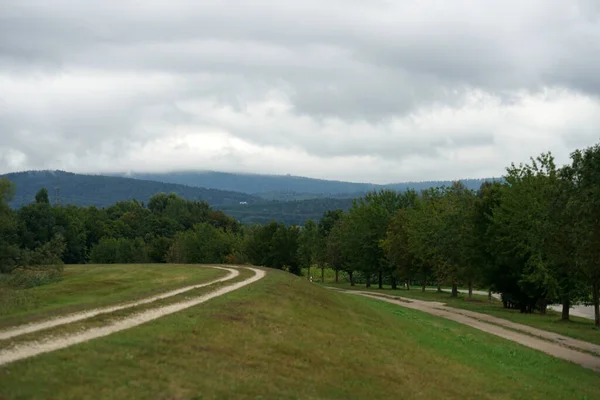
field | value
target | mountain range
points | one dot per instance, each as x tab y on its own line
285	187
250	198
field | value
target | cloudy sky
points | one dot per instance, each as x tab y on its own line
361	90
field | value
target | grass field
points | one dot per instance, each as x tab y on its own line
87	286
283	338
578	328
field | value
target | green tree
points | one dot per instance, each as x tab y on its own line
309	245
326	224
585	204
532	225
41	196
367	223
9	249
204	244
397	249
423	226
334	249
488	198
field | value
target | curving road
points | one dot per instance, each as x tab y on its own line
38	326
30	349
583	353
576	311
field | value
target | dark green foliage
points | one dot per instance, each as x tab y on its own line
274	246
204	244
9	244
41	197
285	212
119	251
585	206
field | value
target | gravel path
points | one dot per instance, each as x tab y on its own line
576	311
550	343
38	326
34	348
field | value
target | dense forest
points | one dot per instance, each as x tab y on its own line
534	236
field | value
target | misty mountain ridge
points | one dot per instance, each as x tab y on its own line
286	187
278	201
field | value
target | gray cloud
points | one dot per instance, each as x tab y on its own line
386	86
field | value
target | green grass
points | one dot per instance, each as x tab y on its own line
578	328
108	318
283	338
90	286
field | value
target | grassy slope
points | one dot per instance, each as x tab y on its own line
84	287
579	328
283	338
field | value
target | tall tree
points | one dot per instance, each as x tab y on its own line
397	248
9	249
532	224
586	203
41	196
326	224
309	245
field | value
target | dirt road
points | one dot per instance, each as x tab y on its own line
31	349
38	326
559	346
576	311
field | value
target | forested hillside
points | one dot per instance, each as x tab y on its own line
104	191
284	207
286	187
287	212
255	183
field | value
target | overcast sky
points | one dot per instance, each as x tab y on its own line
361	90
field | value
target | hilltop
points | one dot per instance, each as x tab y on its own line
104	191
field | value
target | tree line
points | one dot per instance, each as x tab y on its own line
534	236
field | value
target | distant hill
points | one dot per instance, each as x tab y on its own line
273	198
255	183
288	212
103	191
286	187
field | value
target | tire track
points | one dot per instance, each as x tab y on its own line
51	323
34	348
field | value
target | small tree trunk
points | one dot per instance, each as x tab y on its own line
596	297
394	284
308	275
470	289
350	276
454	289
408	284
337	273
368	280
490	295
424	285
322	273
439	288
380	282
566	305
